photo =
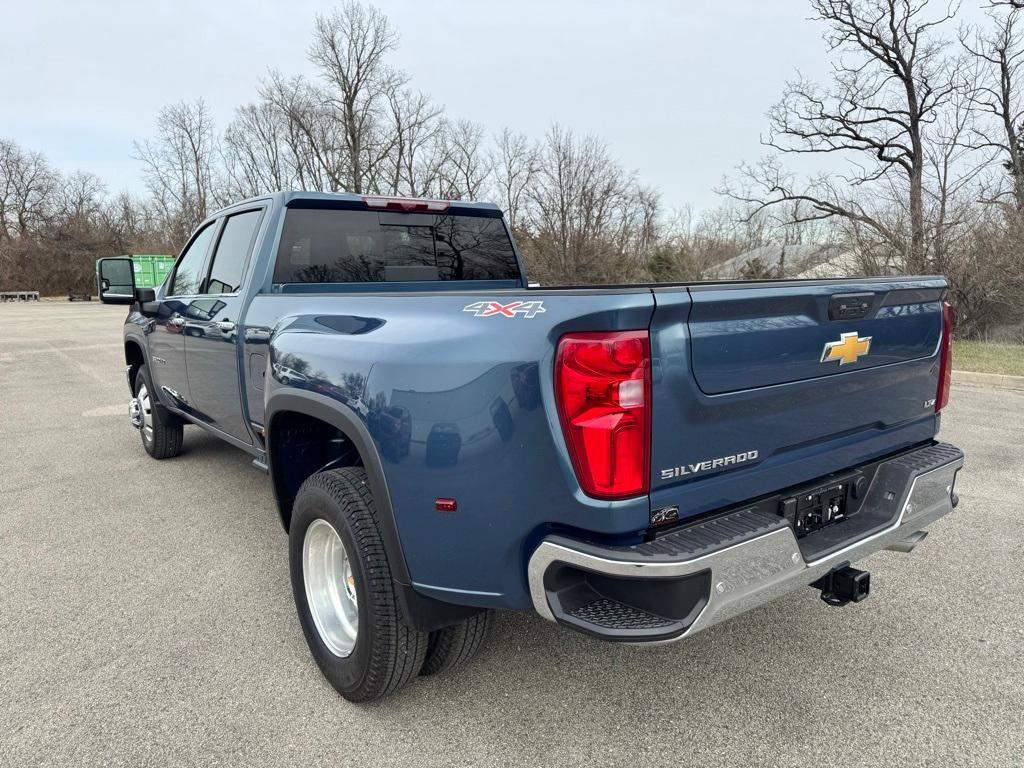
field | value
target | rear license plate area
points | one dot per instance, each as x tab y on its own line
815	508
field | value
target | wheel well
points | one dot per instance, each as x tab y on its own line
134	358
301	445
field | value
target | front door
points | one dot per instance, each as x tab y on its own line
212	326
167	339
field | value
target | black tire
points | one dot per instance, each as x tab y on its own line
452	647
387	654
168	429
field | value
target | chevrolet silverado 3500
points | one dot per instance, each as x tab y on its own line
633	462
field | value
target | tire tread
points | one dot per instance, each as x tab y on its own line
169	433
398	654
452	647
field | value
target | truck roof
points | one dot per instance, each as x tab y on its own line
287	197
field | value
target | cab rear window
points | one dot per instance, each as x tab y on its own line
322	245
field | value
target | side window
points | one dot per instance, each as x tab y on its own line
186	276
233	252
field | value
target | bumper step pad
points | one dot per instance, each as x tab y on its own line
614	615
693	541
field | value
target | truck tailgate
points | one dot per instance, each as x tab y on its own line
760	387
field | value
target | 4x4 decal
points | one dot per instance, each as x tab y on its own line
527	309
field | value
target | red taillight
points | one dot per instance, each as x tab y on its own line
603	388
945	356
406	203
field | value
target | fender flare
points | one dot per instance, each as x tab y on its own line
140	341
345	419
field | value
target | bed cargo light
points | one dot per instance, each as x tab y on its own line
406	203
603	389
945	356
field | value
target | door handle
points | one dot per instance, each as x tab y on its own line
225	325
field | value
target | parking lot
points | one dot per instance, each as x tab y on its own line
146	618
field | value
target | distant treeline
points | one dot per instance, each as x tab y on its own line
919	132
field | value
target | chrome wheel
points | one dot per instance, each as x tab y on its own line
330	587
135	413
145	407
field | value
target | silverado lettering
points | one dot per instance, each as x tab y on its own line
709	464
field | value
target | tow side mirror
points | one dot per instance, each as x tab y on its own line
115	280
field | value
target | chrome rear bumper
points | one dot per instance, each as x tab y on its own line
759	569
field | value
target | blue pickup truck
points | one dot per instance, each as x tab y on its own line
634	462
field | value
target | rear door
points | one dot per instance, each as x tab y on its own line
212	324
759	387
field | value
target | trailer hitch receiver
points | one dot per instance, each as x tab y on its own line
844	585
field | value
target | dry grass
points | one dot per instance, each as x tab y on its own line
985	357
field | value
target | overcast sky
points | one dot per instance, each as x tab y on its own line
677	89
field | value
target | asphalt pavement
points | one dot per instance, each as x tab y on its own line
146	619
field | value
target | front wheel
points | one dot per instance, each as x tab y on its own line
341	582
162	432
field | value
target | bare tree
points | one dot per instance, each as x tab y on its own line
255	147
133	225
79	198
416	126
465	163
349	47
52	226
27	187
587	214
180	165
997	95
953	166
890	78
314	135
516	167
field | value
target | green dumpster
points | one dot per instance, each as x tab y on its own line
150	269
